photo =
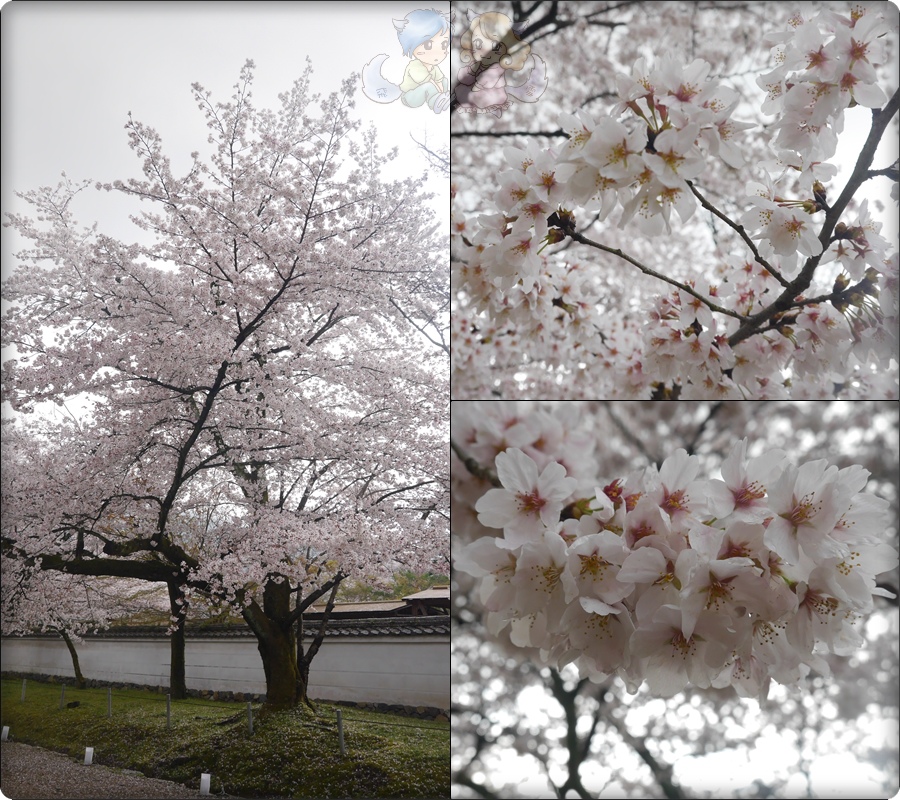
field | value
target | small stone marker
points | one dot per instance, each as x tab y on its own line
5	735
204	783
88	755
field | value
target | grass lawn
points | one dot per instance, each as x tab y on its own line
291	754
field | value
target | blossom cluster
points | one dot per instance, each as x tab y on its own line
672	126
685	118
667	578
825	65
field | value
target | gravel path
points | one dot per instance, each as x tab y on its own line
32	773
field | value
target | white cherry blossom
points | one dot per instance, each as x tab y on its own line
529	503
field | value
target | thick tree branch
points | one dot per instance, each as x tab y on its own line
880	120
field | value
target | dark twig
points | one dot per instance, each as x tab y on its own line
499	134
741	232
662	772
577	747
474	467
654	274
626	431
692	445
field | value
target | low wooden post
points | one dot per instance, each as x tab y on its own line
24	680
250	717
341	732
62	696
168	712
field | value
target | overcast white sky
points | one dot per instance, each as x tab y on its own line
71	72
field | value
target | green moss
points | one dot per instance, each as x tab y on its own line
292	753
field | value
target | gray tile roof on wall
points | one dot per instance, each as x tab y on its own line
386	626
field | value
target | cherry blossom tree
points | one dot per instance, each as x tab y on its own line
569	632
255	389
665	221
50	602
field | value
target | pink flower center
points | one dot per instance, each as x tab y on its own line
820	605
675	502
747	494
593	565
681	646
613	491
640	531
802	512
531	503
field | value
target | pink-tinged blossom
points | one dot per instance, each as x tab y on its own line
821	339
821	617
616	152
711	583
579	127
652	202
484	559
592	564
548	178
789	230
672	660
529	503
855	50
540	592
598	632
742	493
860	245
681	87
807	505
638	86
647	525
676	158
515	261
764	655
675	490
654	574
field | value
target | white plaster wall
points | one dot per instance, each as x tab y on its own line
411	671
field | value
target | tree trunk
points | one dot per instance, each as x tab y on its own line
79	678
302	661
284	662
274	629
151	571
305	659
177	684
303	683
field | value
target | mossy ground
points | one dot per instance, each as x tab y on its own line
291	753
